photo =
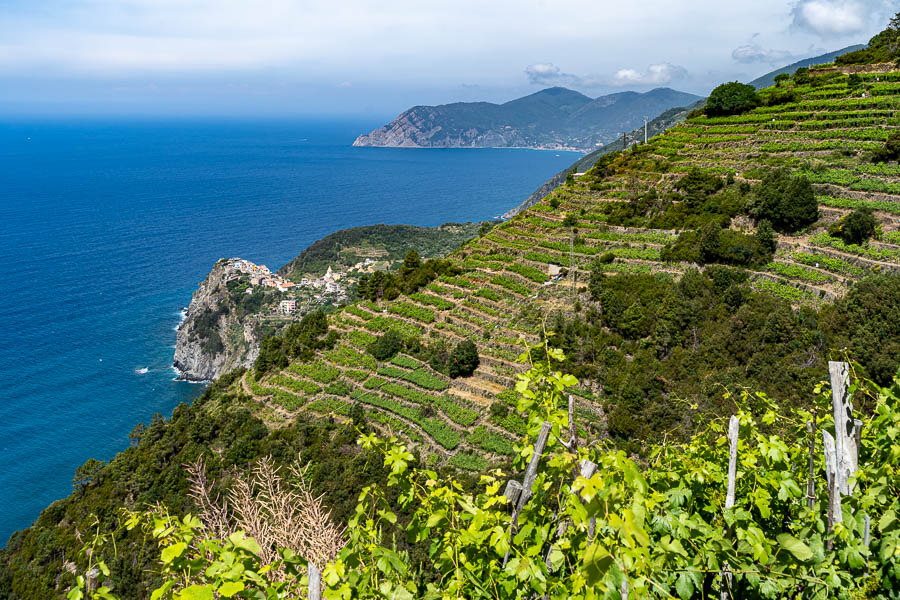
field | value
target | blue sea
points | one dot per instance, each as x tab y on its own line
107	227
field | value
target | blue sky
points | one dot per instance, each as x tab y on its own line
311	57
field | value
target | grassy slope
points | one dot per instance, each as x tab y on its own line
498	303
669	118
505	274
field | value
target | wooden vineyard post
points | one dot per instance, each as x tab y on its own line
315	582
513	491
811	482
845	426
586	470
734	426
842	449
527	483
834	492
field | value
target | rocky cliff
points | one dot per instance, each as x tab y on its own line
213	338
425	127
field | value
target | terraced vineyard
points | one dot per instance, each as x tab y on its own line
540	261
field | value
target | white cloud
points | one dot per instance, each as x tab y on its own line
549	74
832	18
61	49
753	53
544	74
658	74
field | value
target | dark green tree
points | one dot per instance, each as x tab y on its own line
697	185
386	346
463	360
801	76
411	262
710	248
855	228
362	286
731	99
87	474
136	433
271	355
787	202
765	235
890	152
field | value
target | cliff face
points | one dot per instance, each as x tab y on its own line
212	339
427	127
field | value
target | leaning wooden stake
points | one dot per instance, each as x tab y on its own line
527	483
734	425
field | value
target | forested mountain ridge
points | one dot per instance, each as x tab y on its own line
554	118
741	249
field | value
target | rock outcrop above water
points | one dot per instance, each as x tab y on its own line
213	338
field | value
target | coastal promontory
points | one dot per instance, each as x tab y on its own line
552	119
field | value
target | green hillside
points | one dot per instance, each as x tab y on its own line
388	243
623	217
768	79
673	275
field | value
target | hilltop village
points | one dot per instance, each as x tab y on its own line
332	288
314	291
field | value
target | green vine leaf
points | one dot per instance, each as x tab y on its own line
800	550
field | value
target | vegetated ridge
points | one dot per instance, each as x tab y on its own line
671	117
555	118
764	81
239	303
389	243
741	249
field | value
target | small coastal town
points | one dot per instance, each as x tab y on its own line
327	288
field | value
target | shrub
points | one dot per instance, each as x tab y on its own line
731	99
386	346
779	97
765	235
712	244
698	184
787	202
855	228
890	152
463	360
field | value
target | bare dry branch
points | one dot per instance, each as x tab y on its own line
277	512
212	512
